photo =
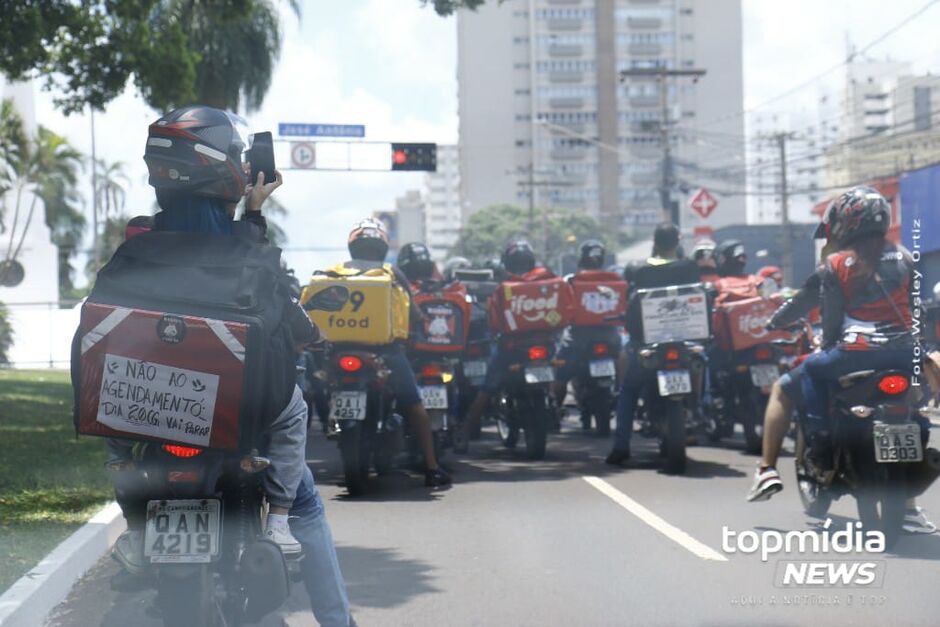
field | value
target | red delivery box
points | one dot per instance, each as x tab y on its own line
740	325
523	306
163	377
446	321
599	301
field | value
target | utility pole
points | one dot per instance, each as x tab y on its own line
667	183
781	139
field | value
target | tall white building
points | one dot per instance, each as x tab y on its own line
538	92
411	218
442	210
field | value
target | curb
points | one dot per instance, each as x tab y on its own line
35	594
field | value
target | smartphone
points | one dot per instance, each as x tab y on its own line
261	157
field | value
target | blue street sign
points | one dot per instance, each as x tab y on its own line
287	129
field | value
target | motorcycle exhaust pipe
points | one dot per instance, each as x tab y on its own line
922	475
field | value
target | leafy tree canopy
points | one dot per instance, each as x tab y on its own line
447	7
556	229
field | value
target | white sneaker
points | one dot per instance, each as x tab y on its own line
916	521
282	537
128	551
766	483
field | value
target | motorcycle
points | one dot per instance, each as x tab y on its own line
597	377
671	374
525	402
475	358
437	384
204	514
875	449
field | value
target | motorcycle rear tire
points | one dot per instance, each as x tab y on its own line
188	600
882	502
815	499
674	438
751	416
601	410
536	429
355	468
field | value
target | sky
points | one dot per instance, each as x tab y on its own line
391	65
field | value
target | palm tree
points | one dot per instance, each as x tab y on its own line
239	42
58	165
110	194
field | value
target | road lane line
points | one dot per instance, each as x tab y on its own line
673	533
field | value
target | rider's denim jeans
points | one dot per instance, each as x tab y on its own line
322	576
627	400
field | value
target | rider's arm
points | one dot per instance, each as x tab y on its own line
799	305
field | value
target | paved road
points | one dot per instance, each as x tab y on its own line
520	543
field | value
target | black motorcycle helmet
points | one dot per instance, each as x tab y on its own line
857	213
591	255
453	265
368	241
730	258
414	259
518	257
197	150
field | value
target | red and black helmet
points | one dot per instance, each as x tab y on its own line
368	241
858	212
198	149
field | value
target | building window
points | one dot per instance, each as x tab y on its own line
922	112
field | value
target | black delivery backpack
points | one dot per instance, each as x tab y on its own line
183	340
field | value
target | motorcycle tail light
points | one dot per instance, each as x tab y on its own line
763	353
184	452
538	353
893	384
431	371
600	350
350	363
672	354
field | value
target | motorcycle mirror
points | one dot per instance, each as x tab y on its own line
331	299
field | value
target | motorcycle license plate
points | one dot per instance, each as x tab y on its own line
474	369
434	396
182	532
897	443
672	382
764	375
539	374
602	368
348	406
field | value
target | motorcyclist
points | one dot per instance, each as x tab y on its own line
454	264
703	254
205	202
572	347
865	300
517	264
414	260
773	276
662	269
789	389
368	247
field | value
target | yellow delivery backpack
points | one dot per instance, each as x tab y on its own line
365	306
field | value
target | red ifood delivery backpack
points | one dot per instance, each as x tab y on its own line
540	301
181	341
739	325
600	299
446	319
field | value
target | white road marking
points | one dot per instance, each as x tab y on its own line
670	531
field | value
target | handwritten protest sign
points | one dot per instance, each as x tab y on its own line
158	401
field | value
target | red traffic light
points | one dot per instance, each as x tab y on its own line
399	157
414	157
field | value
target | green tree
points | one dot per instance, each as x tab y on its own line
447	7
6	335
110	194
220	52
488	231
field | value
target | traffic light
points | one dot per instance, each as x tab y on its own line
412	157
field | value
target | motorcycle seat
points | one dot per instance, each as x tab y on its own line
854	378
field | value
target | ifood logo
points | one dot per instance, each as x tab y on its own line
533	309
754	325
852	544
